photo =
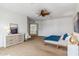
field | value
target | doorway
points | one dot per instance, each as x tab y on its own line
32	27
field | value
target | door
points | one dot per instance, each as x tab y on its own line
33	29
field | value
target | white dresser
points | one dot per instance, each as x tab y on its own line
13	39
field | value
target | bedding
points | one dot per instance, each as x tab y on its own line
58	40
64	36
52	38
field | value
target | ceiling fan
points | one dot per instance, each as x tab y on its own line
44	13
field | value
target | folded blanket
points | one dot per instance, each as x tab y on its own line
53	38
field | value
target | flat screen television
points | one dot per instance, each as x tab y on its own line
13	30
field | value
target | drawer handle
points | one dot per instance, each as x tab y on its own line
19	40
11	40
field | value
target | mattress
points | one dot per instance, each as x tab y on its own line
60	42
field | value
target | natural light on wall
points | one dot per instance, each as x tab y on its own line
7	29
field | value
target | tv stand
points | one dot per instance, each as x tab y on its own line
13	39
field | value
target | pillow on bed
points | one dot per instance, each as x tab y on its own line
65	36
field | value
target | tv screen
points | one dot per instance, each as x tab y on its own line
14	30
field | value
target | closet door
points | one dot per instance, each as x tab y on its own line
33	29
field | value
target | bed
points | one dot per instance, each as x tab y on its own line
57	40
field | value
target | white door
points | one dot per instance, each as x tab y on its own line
33	29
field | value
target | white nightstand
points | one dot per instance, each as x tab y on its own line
73	50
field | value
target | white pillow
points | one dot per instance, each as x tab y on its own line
67	38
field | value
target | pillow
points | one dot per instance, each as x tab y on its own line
64	36
67	38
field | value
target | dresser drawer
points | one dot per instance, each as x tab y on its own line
10	39
9	43
14	39
7	40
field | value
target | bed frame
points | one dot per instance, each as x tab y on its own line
56	45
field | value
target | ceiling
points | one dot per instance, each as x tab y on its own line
32	9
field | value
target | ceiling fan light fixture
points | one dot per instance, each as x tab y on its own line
44	12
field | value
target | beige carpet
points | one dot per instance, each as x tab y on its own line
32	47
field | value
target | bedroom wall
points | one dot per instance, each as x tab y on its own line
56	26
7	17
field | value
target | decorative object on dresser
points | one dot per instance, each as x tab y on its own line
13	39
